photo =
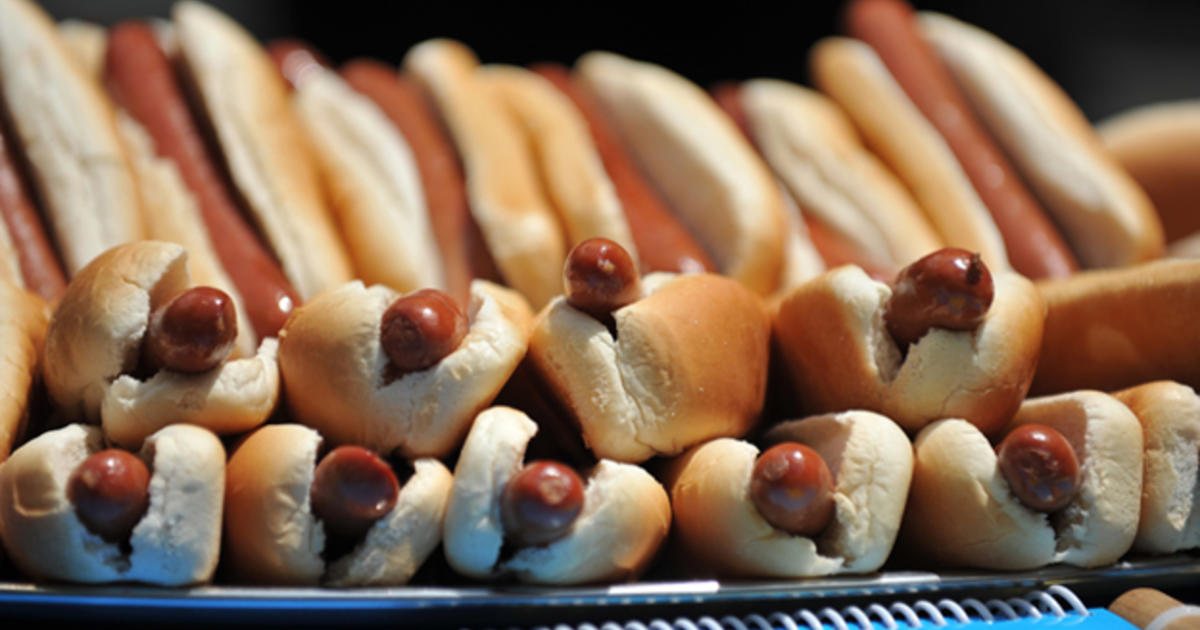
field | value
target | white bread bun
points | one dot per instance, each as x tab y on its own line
272	536
23	318
839	355
64	124
625	515
962	513
688	363
175	543
335	370
849	72
504	188
94	340
699	160
87	42
1170	417
247	104
871	461
1102	212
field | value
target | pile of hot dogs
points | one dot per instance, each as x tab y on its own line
567	324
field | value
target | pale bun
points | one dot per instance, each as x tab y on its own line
272	536
962	513
176	542
688	363
838	354
86	41
246	102
1170	416
720	527
625	517
1101	210
94	340
23	318
335	371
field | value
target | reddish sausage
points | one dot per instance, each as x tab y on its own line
793	489
949	288
1040	466
540	504
352	488
192	332
421	328
600	277
40	269
110	492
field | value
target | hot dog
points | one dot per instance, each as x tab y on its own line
32	262
295	515
23	318
950	288
193	331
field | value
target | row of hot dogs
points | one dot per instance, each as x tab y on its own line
355	351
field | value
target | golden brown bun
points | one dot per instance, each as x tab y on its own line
719	526
247	104
962	513
93	343
176	542
1170	417
1116	328
624	521
839	355
64	123
23	318
688	363
272	536
1102	212
336	372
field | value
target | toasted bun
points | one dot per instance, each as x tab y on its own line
272	536
1170	417
718	524
64	124
335	370
506	196
1118	328
961	511
839	355
176	542
816	152
246	103
1101	210
23	318
696	156
625	515
1157	145
688	363
852	74
94	340
373	182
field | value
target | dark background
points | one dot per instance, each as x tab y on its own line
1108	55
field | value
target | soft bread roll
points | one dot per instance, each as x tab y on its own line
64	125
374	184
503	186
1115	328
272	536
23	318
816	152
871	461
246	102
625	515
10	262
1170	417
335	370
94	341
86	41
703	165
1102	212
962	513
175	543
575	180
688	363
839	355
1157	145
850	72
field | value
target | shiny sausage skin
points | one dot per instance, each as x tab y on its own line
600	277
194	331
110	491
295	59
141	80
662	241
1033	243
352	488
540	504
40	269
1041	467
421	328
949	288
464	253
793	489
